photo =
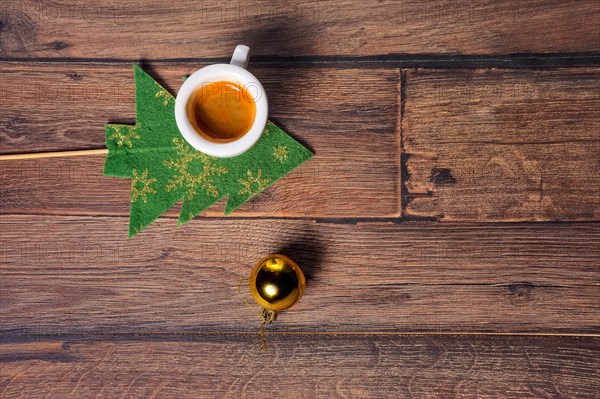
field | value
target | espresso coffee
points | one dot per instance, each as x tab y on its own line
222	111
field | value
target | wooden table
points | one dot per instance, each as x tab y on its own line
448	224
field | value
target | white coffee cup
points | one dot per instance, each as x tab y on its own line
232	72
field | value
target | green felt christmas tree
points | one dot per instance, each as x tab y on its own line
164	168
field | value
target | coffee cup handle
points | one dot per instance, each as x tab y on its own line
240	56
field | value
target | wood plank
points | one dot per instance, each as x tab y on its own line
185	29
498	145
322	108
81	274
300	366
323	187
53	107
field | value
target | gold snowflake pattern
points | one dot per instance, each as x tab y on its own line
254	184
185	178
124	138
280	153
267	131
166	96
140	186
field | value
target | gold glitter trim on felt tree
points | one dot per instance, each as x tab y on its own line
280	153
124	138
186	179
267	131
164	94
136	230
145	189
254	184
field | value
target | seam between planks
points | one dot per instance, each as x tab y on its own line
321	220
325	220
189	336
448	60
400	82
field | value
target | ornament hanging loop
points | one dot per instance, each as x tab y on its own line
268	316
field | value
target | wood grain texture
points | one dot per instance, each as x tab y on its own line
497	145
304	367
347	117
64	106
81	275
186	29
321	188
84	312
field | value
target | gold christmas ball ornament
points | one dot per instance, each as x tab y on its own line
277	282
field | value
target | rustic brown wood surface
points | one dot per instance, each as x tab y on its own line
186	29
448	223
331	185
303	366
503	145
395	277
73	102
330	106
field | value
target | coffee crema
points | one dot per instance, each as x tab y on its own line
221	112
